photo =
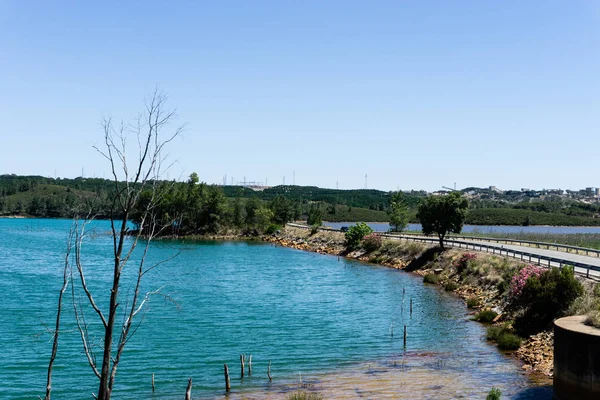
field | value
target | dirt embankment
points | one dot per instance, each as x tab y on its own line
479	284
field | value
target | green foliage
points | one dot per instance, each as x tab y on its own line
451	286
354	214
512	216
504	337
283	210
545	298
355	235
398	212
372	242
494	394
486	316
315	217
508	341
495	331
262	219
472	302
432	279
443	214
304	395
271	229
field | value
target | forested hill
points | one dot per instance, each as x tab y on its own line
39	196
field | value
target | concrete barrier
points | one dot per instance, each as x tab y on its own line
576	359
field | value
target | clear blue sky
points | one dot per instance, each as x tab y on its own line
415	94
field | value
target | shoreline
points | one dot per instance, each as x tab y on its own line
535	352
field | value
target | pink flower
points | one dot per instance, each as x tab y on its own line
519	281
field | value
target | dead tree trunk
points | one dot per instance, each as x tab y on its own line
132	183
188	391
227	381
58	315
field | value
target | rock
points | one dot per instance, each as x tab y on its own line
438	271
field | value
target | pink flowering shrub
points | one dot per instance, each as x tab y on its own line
519	281
372	242
463	261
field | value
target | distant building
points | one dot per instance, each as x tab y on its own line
591	191
597	192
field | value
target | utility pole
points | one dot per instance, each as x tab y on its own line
284	180
337	185
365	181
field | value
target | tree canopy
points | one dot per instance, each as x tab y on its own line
443	214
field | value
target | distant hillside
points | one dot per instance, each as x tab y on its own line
48	197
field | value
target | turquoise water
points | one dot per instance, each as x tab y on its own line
313	316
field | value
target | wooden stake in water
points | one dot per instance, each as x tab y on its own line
405	336
188	391
411	307
227	382
153	382
250	365
269	371
392	328
242	362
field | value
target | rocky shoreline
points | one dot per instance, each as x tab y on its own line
536	352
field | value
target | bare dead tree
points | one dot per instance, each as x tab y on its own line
132	180
55	333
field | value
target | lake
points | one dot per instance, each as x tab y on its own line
328	323
384	227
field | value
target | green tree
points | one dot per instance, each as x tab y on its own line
251	206
355	235
283	210
398	212
238	212
263	218
315	216
443	214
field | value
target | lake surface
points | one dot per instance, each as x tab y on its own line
384	227
323	322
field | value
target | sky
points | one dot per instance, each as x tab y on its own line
414	94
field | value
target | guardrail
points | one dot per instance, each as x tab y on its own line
557	246
518	254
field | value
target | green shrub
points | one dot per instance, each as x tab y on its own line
545	298
494	394
451	286
593	319
494	332
271	229
508	341
304	395
486	316
372	242
315	217
472	302
431	278
314	229
355	235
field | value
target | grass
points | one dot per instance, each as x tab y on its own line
504	337
494	394
304	395
451	286
472	302
508	341
432	279
486	316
